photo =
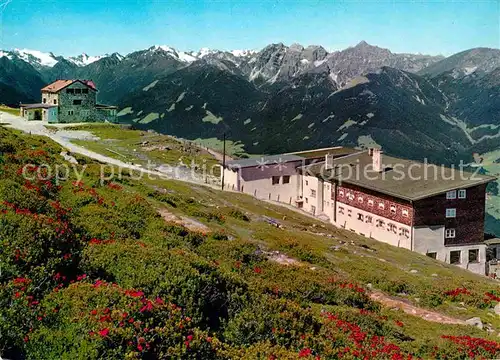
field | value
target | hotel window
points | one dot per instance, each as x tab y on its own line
405	212
55	101
313	193
70	112
307	200
313	209
76	102
286	179
360	217
393	228
406	233
462	194
44	100
473	255
85	91
449	233
341	193
307	183
432	255
341	210
70	91
360	199
370	202
350	196
78	91
368	219
349	213
276	180
451	213
380	223
393	209
381	206
455	257
450	195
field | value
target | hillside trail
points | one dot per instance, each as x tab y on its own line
406	307
62	138
190	224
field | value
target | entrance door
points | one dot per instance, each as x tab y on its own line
38	115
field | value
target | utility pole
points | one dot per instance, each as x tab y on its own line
223	158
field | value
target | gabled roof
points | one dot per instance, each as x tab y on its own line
37	106
58	85
266	160
401	178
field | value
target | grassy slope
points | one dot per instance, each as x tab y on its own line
327	257
9	110
125	145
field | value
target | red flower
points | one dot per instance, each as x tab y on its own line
305	352
257	270
104	332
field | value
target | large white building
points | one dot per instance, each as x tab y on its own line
437	211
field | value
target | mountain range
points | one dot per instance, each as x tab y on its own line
285	98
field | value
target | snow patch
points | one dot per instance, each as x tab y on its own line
328	118
150	86
243	53
370	115
347	124
304	61
84	59
470	70
44	59
319	62
5	54
344	135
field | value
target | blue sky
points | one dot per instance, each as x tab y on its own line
70	27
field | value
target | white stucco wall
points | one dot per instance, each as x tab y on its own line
257	181
371	230
312	203
431	240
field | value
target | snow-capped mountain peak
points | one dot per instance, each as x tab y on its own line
36	58
179	55
84	59
243	53
6	54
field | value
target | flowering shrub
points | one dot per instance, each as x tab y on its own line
119	322
92	272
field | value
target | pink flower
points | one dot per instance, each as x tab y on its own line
104	332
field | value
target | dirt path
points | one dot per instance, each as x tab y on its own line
410	309
188	223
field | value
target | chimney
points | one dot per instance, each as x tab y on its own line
376	155
328	161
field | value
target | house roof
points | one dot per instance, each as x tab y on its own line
58	85
37	106
404	179
335	151
102	106
268	160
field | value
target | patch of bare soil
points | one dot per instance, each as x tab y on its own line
410	309
188	223
281	258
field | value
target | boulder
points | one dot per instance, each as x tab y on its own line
475	321
496	309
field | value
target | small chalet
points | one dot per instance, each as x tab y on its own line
69	101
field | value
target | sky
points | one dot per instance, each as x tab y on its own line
71	27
